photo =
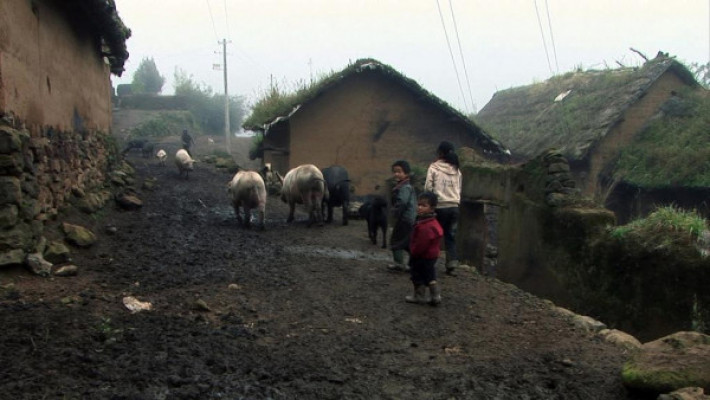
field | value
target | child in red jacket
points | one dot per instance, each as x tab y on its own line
424	251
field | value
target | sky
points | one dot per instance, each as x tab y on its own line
462	51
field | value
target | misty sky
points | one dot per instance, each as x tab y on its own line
289	41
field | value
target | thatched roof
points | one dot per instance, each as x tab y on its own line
266	116
573	111
101	19
673	148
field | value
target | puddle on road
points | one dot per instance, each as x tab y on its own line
336	253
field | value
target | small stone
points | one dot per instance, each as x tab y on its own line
234	286
67	270
38	265
56	252
129	201
78	235
200	305
12	257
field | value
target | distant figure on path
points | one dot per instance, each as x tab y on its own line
187	141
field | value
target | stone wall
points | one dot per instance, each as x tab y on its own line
556	245
40	173
542	223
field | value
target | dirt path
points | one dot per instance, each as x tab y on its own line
294	313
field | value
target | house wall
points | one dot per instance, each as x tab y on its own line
365	124
55	109
621	135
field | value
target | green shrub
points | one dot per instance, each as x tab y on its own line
165	124
665	226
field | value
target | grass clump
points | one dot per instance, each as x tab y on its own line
666	226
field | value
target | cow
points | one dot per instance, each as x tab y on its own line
247	190
374	210
305	185
162	156
338	182
184	162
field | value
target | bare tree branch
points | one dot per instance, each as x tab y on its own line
639	53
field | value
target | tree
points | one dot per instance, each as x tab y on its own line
147	79
702	73
206	106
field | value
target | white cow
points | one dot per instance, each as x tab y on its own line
184	162
305	185
162	156
247	190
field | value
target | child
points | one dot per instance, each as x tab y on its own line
404	212
424	251
444	178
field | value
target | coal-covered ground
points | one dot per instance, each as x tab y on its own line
288	313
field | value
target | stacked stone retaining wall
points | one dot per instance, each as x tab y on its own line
41	170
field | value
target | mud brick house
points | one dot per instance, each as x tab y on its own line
56	58
364	118
599	120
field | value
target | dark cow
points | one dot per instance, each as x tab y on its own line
336	177
374	210
140	144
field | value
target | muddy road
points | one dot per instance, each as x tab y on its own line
288	313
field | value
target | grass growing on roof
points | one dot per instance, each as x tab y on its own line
674	149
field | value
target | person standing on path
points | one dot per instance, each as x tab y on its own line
187	141
404	211
424	248
444	178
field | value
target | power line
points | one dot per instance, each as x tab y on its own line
552	37
214	28
463	61
544	43
453	61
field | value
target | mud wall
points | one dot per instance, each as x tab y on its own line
55	115
366	123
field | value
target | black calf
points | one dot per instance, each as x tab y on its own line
374	210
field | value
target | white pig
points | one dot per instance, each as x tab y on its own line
184	162
305	185
247	190
162	156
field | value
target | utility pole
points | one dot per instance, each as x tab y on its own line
227	133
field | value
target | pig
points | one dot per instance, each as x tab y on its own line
374	210
162	156
184	162
305	185
247	190
338	182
